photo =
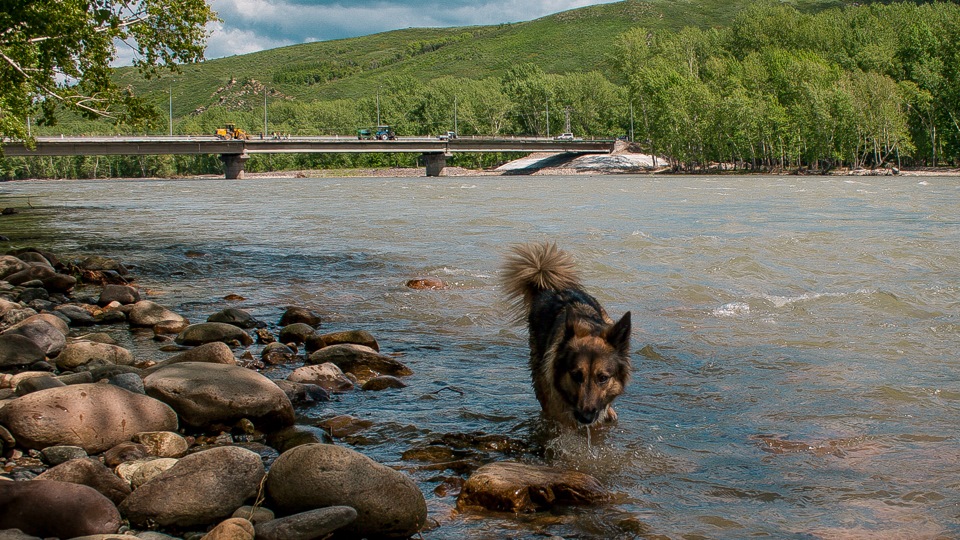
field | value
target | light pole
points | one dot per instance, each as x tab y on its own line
264	112
378	106
171	109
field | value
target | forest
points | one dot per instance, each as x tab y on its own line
777	89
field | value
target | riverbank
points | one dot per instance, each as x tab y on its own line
209	436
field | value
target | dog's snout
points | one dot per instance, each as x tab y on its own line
587	416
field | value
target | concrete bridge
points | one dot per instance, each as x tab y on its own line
235	153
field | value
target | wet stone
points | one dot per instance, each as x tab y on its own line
516	487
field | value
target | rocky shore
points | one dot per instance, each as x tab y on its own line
97	443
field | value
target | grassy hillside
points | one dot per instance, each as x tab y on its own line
573	41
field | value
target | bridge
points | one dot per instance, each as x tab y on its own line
235	153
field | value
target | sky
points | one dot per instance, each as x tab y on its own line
254	25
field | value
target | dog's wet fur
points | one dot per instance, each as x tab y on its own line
579	357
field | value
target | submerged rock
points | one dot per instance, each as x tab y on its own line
237	317
364	362
516	487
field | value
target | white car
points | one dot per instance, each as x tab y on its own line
564	137
448	136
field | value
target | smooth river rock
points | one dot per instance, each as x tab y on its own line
48	508
90	472
364	362
147	313
311	476
200	489
327	375
122	294
208	332
18	350
237	317
212	353
300	315
517	487
95	417
205	394
357	337
47	334
231	529
307	525
92	353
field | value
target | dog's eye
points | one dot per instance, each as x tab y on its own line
577	377
602	378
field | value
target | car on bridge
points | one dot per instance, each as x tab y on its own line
564	137
448	136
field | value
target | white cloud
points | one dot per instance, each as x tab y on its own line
232	41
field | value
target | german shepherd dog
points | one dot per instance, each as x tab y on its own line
579	357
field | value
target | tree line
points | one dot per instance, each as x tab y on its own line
865	86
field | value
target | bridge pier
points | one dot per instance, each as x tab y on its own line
435	163
233	165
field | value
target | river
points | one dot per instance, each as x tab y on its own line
795	338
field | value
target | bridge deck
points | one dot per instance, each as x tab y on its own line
74	146
235	153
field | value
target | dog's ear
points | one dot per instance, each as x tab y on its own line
618	335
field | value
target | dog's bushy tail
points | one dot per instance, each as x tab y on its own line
535	267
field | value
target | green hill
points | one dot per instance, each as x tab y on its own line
579	40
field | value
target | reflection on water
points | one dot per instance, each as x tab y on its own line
795	337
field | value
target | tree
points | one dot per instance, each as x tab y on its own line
55	55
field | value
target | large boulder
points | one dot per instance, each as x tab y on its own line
95	417
198	334
509	486
311	476
364	362
200	489
206	394
92	353
48	508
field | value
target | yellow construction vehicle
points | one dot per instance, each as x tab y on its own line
230	132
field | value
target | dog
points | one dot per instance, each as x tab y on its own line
579	357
